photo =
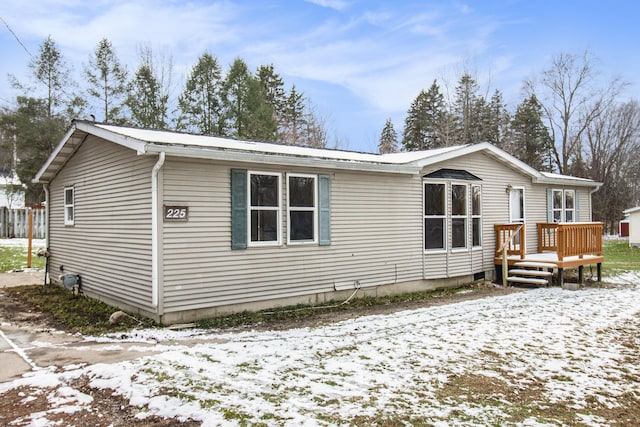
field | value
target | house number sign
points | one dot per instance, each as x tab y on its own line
176	213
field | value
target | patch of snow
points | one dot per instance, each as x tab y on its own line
567	343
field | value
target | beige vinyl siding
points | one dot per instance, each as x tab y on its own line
110	243
374	239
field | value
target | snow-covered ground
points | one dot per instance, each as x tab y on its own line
552	345
35	243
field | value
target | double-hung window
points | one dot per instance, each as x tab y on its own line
264	208
302	199
256	208
458	216
69	206
435	216
564	206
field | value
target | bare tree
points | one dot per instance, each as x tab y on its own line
613	153
571	100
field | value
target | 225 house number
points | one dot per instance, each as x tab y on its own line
176	213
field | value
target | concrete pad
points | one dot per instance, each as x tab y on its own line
13	366
21	278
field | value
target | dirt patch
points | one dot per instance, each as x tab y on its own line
22	405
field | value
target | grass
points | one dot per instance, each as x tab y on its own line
90	316
72	313
15	258
618	256
302	311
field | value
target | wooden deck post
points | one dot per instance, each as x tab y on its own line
30	245
581	274
599	272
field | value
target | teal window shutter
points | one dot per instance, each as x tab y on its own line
576	202
324	215
238	209
549	205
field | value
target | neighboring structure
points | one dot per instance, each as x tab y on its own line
634	226
623	227
11	192
179	226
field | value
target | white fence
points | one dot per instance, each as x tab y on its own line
15	223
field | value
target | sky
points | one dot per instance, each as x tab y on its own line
359	62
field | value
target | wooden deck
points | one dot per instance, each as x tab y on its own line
565	245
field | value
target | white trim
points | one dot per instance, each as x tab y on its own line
278	210
524	206
563	208
299	209
71	205
476	216
464	216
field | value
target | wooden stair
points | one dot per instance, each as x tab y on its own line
531	274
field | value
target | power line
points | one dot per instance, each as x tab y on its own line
16	37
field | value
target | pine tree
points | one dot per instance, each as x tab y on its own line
273	87
531	140
388	139
261	123
107	80
51	72
201	107
293	120
147	103
467	108
36	136
235	90
424	121
496	121
247	110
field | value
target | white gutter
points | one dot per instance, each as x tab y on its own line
155	214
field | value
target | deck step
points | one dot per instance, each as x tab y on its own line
534	264
536	273
528	280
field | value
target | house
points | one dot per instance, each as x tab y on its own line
11	191
634	226
179	226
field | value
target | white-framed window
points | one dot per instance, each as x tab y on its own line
563	206
459	217
435	216
476	215
302	208
516	205
69	206
264	198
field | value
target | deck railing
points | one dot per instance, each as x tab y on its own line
511	236
570	238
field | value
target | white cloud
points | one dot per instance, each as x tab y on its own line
332	4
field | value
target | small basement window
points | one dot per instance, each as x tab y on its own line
69	206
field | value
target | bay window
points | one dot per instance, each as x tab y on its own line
435	230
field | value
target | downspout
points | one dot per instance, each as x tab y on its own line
155	249
45	187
